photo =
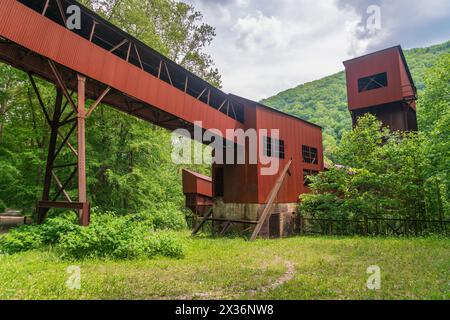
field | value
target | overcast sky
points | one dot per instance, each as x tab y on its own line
266	46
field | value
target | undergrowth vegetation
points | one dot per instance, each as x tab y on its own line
109	236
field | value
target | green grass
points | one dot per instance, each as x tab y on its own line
325	268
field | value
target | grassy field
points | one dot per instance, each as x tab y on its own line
295	268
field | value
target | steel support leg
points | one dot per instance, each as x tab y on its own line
81	118
42	212
82	207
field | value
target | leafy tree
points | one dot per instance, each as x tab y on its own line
129	168
434	121
173	28
382	175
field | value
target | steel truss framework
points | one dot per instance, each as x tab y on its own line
132	51
71	114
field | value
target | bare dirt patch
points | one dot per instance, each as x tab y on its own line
285	277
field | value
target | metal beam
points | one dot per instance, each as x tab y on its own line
168	73
94	25
139	56
60	82
42	212
44	11
61	12
58	182
82	197
38	95
97	102
75	153
119	45
64	186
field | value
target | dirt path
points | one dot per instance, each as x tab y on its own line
285	277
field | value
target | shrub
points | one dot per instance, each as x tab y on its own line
21	239
165	216
53	229
108	236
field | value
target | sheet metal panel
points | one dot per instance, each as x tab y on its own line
379	62
194	183
41	35
295	133
245	184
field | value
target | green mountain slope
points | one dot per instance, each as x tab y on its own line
324	101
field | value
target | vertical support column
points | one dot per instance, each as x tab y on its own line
42	212
81	116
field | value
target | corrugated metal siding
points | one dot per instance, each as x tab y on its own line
41	35
295	133
193	184
245	184
385	61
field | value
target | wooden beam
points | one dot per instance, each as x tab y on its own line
228	220
225	229
97	102
272	196
200	225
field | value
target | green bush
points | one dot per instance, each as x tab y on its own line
21	239
165	216
53	229
110	236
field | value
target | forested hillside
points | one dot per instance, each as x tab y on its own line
324	101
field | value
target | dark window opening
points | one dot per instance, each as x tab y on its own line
274	148
218	182
310	155
306	176
274	226
373	82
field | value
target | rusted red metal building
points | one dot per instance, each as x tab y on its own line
380	83
99	63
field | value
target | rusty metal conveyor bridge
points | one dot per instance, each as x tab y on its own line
102	64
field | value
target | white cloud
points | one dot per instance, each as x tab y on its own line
265	46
